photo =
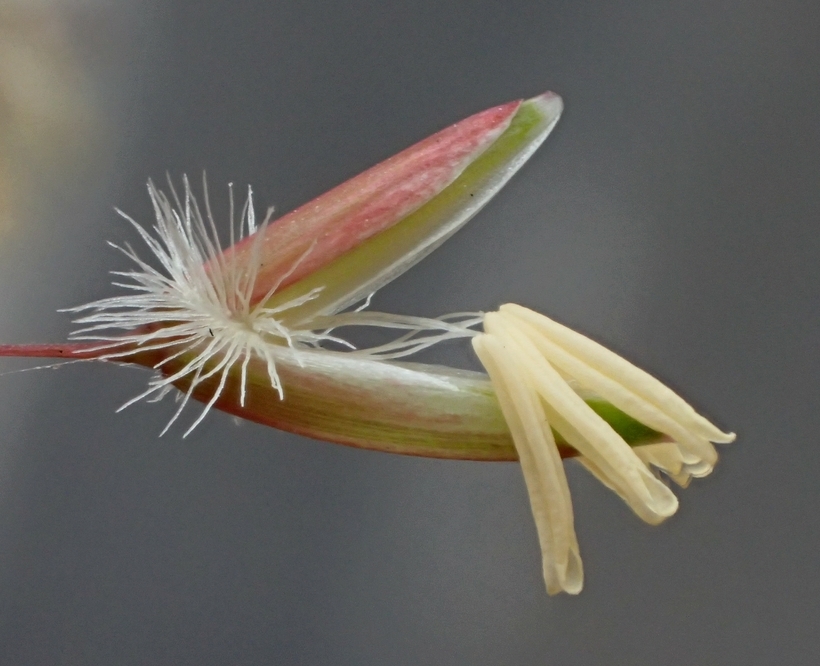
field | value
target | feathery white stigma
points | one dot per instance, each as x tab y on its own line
198	306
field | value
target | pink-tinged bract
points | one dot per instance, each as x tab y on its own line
369	203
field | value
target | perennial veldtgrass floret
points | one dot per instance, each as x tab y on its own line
255	330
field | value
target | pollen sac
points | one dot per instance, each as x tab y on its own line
540	369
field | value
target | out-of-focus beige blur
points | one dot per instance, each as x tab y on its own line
47	106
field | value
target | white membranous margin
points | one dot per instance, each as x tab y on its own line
197	305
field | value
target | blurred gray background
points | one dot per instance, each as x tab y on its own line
673	214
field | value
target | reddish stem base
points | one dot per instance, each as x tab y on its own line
75	350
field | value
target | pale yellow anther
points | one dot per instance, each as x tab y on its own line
538	368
